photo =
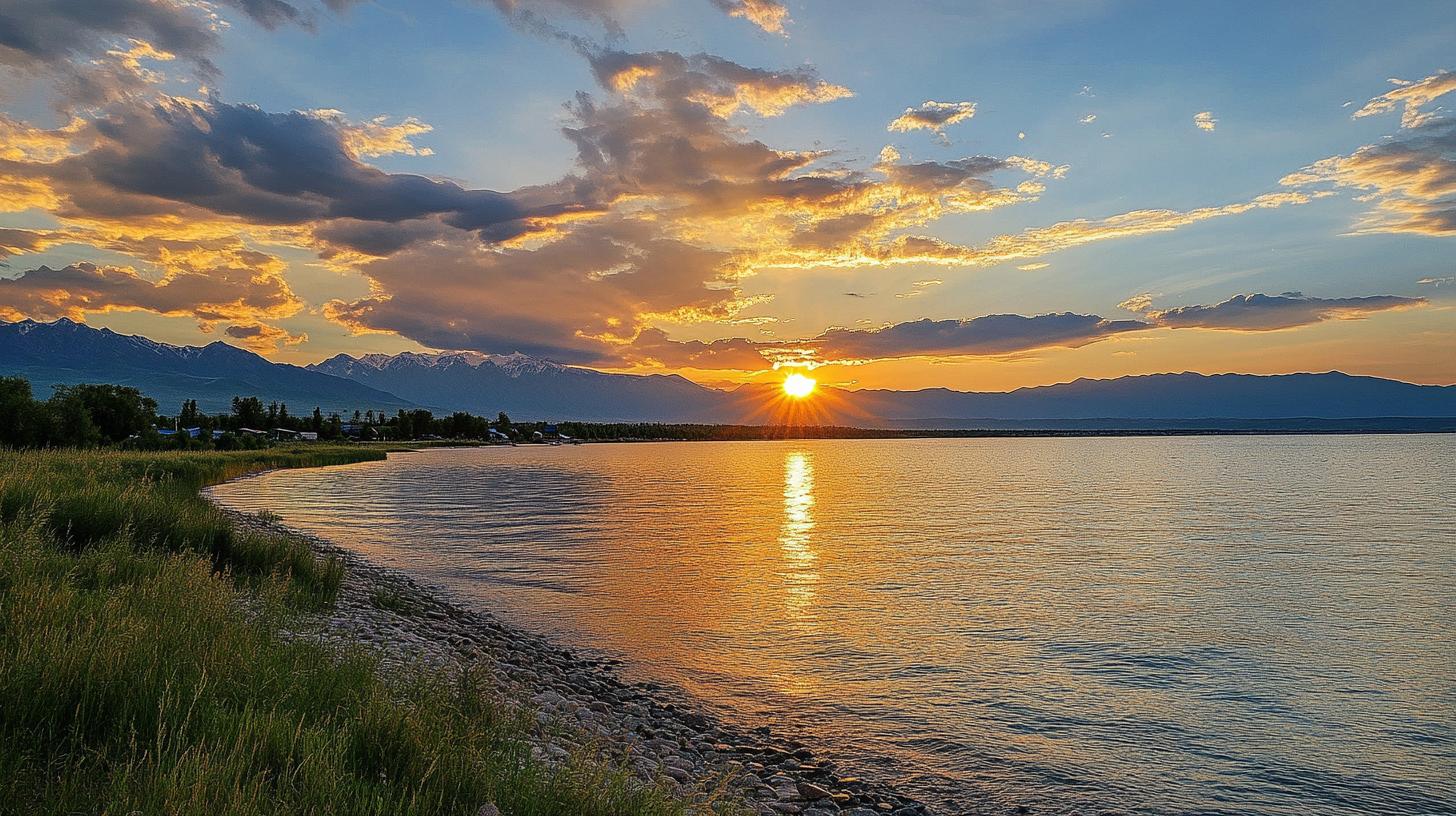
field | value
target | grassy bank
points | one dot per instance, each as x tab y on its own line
142	668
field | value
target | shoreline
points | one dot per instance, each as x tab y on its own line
582	702
827	433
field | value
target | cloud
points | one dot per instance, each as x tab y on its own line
579	299
919	288
376	137
1411	179
670	204
37	33
186	160
1204	121
652	347
1040	241
92	51
262	337
1138	303
1008	334
1032	267
722	86
1088	119
18	241
254	288
1411	97
1441	281
933	116
1275	312
991	335
769	15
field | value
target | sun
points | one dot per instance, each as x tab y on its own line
798	386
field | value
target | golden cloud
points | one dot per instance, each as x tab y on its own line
1410	97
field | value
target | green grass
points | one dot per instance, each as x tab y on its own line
142	668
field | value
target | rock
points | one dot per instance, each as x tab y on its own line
813	792
677	774
582	707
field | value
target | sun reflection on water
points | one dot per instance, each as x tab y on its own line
800	577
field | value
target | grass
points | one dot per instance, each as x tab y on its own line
142	669
392	600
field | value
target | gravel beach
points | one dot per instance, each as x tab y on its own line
582	703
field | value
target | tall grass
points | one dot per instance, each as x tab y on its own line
142	669
86	497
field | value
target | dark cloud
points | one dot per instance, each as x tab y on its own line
243	291
1274	312
50	32
1006	334
981	336
91	51
263	337
264	168
16	241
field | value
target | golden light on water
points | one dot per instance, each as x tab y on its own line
794	537
799	386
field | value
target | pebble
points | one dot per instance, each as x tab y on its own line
582	704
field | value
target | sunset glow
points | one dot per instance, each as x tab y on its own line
747	199
799	386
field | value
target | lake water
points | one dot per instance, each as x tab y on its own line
1259	625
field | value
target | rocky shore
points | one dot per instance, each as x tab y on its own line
581	702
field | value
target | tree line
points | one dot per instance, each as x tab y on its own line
92	415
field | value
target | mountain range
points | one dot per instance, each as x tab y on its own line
64	351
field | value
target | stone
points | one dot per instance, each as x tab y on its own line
812	792
677	774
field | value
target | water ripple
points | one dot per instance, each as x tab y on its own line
1238	625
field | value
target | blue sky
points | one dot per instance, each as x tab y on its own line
1340	268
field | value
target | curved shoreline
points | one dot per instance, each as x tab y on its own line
582	702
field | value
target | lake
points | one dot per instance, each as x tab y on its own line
1206	625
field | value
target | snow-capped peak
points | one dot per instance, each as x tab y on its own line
512	365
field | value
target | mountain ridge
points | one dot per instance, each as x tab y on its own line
65	351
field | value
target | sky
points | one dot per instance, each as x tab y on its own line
929	193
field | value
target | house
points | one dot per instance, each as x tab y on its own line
356	430
284	434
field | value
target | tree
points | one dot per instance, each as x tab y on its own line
19	423
503	423
67	422
318	419
115	412
188	416
249	412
